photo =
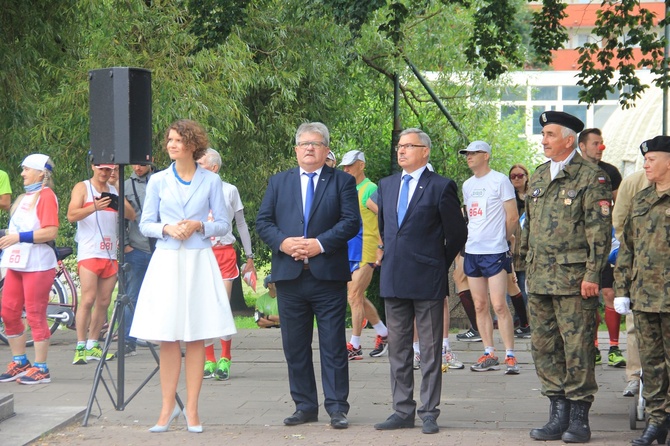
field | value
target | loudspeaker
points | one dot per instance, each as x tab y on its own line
120	115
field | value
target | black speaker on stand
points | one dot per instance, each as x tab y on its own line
120	115
120	133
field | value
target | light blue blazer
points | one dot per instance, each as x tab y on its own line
164	205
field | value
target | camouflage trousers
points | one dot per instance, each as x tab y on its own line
653	334
563	330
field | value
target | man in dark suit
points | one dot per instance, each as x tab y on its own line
422	230
310	267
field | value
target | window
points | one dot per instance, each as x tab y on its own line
512	110
544	93
576	110
514	94
571	93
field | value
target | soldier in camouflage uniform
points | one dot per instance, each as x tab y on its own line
642	276
566	241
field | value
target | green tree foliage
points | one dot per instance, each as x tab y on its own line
548	34
621	27
495	43
252	70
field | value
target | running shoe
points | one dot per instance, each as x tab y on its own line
79	355
469	336
512	367
522	332
450	361
599	358
35	375
381	347
355	354
14	371
417	361
95	354
615	357
210	368
131	350
486	363
632	388
222	372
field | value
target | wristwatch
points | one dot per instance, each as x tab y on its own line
380	247
251	256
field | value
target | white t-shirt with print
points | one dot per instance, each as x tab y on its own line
484	198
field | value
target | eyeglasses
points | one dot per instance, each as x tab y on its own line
517	176
408	146
315	144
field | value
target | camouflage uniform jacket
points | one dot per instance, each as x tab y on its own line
643	266
566	238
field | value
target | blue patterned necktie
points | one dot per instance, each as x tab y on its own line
403	201
309	197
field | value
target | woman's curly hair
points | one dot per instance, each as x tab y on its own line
193	136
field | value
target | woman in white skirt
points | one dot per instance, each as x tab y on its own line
183	298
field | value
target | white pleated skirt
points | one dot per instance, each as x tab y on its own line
182	298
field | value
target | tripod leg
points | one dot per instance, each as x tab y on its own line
117	313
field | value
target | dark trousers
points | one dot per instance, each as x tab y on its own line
299	301
400	314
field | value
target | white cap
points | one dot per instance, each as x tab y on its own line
351	157
36	161
330	156
476	146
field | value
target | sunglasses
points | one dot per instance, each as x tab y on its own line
517	176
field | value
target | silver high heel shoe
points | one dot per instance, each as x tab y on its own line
175	414
193	429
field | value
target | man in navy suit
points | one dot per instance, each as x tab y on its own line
422	229
310	268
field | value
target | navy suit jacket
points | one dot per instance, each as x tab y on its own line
418	254
334	219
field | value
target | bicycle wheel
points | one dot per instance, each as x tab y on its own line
56	297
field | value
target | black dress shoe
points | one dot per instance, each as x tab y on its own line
430	425
339	420
300	417
395	422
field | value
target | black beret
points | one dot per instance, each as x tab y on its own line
658	144
562	118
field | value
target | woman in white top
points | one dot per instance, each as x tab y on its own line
182	296
31	268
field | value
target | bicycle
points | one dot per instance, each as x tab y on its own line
63	300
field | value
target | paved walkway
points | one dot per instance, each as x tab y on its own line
477	408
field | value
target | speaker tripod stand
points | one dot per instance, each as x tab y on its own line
121	302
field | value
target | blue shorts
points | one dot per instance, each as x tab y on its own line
486	265
354	265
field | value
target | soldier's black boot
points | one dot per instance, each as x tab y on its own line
652	433
579	430
559	420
